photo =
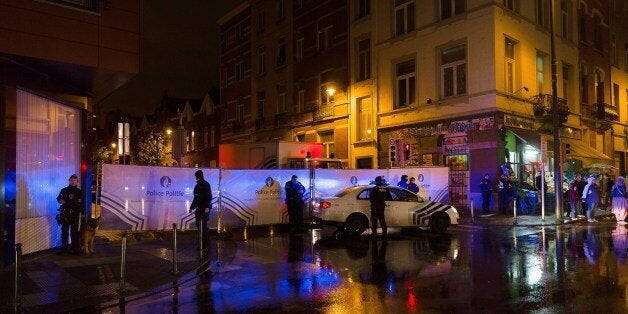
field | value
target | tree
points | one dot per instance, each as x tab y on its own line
102	155
150	147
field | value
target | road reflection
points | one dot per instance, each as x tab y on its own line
511	269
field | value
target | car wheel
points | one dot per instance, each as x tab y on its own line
439	222
356	224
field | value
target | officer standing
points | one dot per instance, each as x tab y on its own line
294	202
403	183
72	207
486	186
201	204
504	193
378	196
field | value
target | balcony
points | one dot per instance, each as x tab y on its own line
542	107
323	112
260	123
281	119
607	112
238	126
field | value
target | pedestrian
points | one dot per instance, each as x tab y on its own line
403	183
378	196
294	202
574	197
591	195
619	199
486	187
72	207
580	212
504	193
412	186
201	205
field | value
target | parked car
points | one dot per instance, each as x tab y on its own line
350	210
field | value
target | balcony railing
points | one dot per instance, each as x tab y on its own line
260	123
607	112
542	107
238	126
323	112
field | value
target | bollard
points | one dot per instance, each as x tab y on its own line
121	288
472	214
200	238
17	292
514	209
175	266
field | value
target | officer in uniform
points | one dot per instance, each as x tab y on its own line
294	201
201	204
72	207
378	196
504	193
486	186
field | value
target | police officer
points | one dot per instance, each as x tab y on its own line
403	183
486	186
294	202
504	193
201	204
378	196
72	207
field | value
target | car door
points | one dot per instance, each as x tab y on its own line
403	204
365	204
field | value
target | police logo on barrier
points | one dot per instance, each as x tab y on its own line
354	180
270	181
165	181
421	178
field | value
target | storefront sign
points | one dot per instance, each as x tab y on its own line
519	122
543	148
486	123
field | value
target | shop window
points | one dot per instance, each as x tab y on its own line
327	138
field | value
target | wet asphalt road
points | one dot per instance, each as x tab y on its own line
572	268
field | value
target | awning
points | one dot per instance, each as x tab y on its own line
582	150
527	136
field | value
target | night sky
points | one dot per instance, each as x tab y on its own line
179	46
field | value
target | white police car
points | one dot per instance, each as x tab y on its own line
351	210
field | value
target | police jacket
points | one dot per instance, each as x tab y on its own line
72	198
505	186
294	191
378	196
486	185
202	196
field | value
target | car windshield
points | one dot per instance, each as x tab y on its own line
347	191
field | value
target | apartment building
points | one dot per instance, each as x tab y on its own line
57	59
618	53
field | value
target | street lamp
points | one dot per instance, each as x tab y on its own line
113	151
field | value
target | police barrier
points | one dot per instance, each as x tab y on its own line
153	198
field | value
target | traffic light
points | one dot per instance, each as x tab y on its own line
407	152
566	149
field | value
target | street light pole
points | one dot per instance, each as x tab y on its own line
558	160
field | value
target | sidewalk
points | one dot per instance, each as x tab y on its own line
526	220
58	283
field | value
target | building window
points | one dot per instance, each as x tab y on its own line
327	138
224	115
540	71
261	21
301	100
512	5
364	59
299	50
323	37
616	95
597	32
584	84
613	50
281	10
582	23
261	60
565	18
326	96
192	141
510	64
281	52
365	118
281	99
404	16
542	13
450	8
364	8
239	71
454	71
223	77
599	86
567	70
213	137
405	86
240	113
238	31
205	137
261	100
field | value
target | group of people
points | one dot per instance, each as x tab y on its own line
412	186
584	197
